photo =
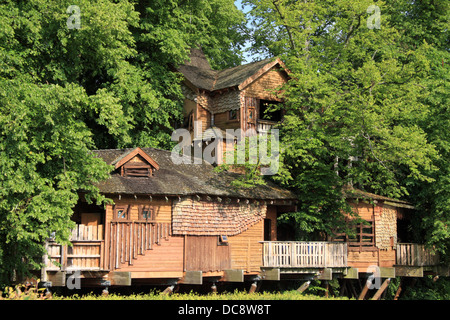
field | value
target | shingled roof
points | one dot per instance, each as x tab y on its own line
182	179
198	72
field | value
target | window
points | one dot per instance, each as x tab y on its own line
223	240
266	112
362	239
146	212
233	115
137	170
121	212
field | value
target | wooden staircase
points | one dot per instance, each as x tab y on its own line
130	239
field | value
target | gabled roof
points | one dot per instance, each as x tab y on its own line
199	73
128	155
182	179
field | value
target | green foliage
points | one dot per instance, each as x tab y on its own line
108	84
236	295
357	103
45	159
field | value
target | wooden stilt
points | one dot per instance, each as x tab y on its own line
343	290
327	288
381	290
352	288
364	290
253	288
304	286
168	290
399	290
214	288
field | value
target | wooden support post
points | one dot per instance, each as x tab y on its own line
364	290
327	288
381	290
399	290
168	290
303	287
253	287
214	288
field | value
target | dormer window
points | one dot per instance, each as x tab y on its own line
136	169
136	163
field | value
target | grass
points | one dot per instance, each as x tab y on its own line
236	295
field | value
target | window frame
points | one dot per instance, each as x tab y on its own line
125	208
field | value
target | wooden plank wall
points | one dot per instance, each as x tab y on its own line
246	249
204	254
364	259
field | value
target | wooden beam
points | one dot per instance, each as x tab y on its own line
57	279
253	287
233	275
271	274
381	290
119	278
303	287
192	277
387	272
326	274
405	271
365	289
351	273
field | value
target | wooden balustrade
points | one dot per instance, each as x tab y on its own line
416	255
128	239
299	254
84	254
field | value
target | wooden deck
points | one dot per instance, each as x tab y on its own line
85	254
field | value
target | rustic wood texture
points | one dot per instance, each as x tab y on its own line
246	251
415	255
203	253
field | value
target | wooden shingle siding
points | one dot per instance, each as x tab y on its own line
191	217
264	87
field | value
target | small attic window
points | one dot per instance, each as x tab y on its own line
131	169
136	163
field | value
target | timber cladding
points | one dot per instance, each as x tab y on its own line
203	253
265	86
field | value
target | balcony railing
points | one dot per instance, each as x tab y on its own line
299	254
85	253
415	255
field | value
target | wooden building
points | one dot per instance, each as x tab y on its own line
186	223
181	223
231	99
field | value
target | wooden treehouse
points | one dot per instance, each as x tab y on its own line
178	223
186	224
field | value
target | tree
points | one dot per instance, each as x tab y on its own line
82	75
45	160
352	105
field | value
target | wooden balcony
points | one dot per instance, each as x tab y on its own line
264	126
85	254
300	254
415	255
